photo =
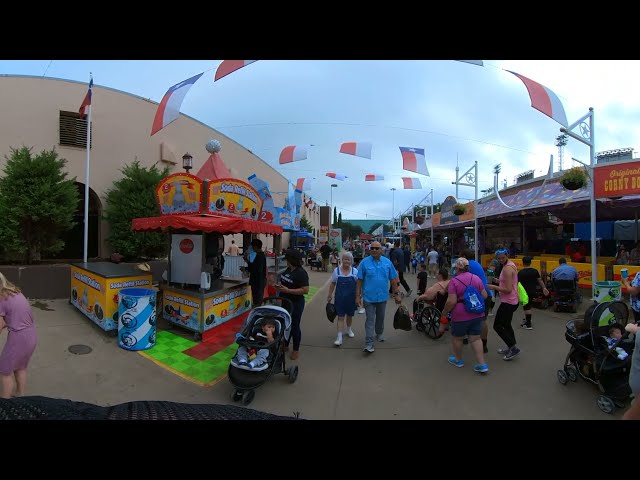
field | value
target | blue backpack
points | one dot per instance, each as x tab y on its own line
473	301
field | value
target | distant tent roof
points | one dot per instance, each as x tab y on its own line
214	168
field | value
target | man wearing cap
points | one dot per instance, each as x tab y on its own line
374	274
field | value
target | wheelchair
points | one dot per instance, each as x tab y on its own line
427	318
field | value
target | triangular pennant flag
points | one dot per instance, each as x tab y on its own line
543	99
411	183
230	66
413	160
359	149
169	107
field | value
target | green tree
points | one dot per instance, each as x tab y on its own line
37	204
306	224
340	218
134	196
335	216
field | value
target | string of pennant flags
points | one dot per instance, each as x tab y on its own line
542	98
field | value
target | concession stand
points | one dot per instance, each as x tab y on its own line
195	215
95	287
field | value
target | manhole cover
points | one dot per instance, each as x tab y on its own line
80	349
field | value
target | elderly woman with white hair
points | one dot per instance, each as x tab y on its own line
343	281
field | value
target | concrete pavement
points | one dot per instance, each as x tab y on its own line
407	377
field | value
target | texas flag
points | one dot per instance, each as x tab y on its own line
413	160
370	177
87	99
337	176
169	108
543	99
230	66
293	153
411	183
303	184
359	149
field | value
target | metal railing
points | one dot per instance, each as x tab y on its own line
232	264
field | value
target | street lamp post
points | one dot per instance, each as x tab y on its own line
471	178
393	209
333	185
587	137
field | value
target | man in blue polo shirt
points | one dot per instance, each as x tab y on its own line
564	271
374	274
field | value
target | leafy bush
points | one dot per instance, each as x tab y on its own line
459	209
133	196
37	204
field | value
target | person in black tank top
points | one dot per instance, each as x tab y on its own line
294	285
437	293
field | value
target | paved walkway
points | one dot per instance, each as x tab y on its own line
407	377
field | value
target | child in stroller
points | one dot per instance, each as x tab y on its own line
251	359
263	333
595	358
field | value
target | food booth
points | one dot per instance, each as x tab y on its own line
195	215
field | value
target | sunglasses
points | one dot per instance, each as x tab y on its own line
374	248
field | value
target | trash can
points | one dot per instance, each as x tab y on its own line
607	291
137	318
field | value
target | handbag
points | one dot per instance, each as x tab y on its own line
401	320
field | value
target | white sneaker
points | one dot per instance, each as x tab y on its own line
350	333
361	311
338	341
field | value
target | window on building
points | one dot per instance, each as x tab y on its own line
73	130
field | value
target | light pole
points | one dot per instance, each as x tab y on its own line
587	137
333	185
393	209
471	178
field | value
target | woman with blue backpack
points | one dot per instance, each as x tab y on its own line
466	303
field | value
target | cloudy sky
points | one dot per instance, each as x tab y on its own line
455	111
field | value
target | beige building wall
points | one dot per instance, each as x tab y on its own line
121	126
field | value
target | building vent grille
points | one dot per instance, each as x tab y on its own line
73	130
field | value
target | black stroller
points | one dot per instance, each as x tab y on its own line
592	359
246	381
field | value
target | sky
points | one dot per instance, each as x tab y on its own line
456	111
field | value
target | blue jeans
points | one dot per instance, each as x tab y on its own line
374	324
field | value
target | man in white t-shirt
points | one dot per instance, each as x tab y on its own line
432	258
233	249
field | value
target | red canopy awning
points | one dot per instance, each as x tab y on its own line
208	224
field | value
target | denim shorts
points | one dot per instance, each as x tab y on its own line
468	327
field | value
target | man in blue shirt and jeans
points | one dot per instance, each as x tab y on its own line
374	274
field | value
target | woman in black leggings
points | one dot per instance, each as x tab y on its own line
294	284
508	288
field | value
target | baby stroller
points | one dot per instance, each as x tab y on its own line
565	295
246	381
592	359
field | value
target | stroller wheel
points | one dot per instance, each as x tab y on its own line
247	397
606	404
236	395
293	374
562	377
572	373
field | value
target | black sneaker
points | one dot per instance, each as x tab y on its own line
465	341
527	327
485	349
514	352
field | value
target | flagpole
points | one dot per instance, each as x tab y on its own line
86	185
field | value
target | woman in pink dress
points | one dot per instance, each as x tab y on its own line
17	318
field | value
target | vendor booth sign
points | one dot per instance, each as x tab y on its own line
180	194
226	306
268	208
288	221
181	309
446	211
233	198
335	239
617	180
